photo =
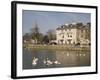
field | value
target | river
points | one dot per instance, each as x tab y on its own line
54	59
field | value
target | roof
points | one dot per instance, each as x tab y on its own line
74	25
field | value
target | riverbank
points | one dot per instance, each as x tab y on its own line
58	47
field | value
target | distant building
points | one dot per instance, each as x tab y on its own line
75	33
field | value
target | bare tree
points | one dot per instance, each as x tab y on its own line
36	34
51	35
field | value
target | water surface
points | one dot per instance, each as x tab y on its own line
64	59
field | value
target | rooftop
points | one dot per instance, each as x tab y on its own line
74	25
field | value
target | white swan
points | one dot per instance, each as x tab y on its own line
84	54
67	54
57	62
80	54
34	62
48	62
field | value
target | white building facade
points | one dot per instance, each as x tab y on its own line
73	34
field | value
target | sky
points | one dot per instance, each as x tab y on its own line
50	20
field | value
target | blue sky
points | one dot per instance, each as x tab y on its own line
51	20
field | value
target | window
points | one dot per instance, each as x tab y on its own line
69	29
63	36
81	36
70	35
81	31
65	29
67	34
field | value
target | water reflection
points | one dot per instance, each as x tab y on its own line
54	59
